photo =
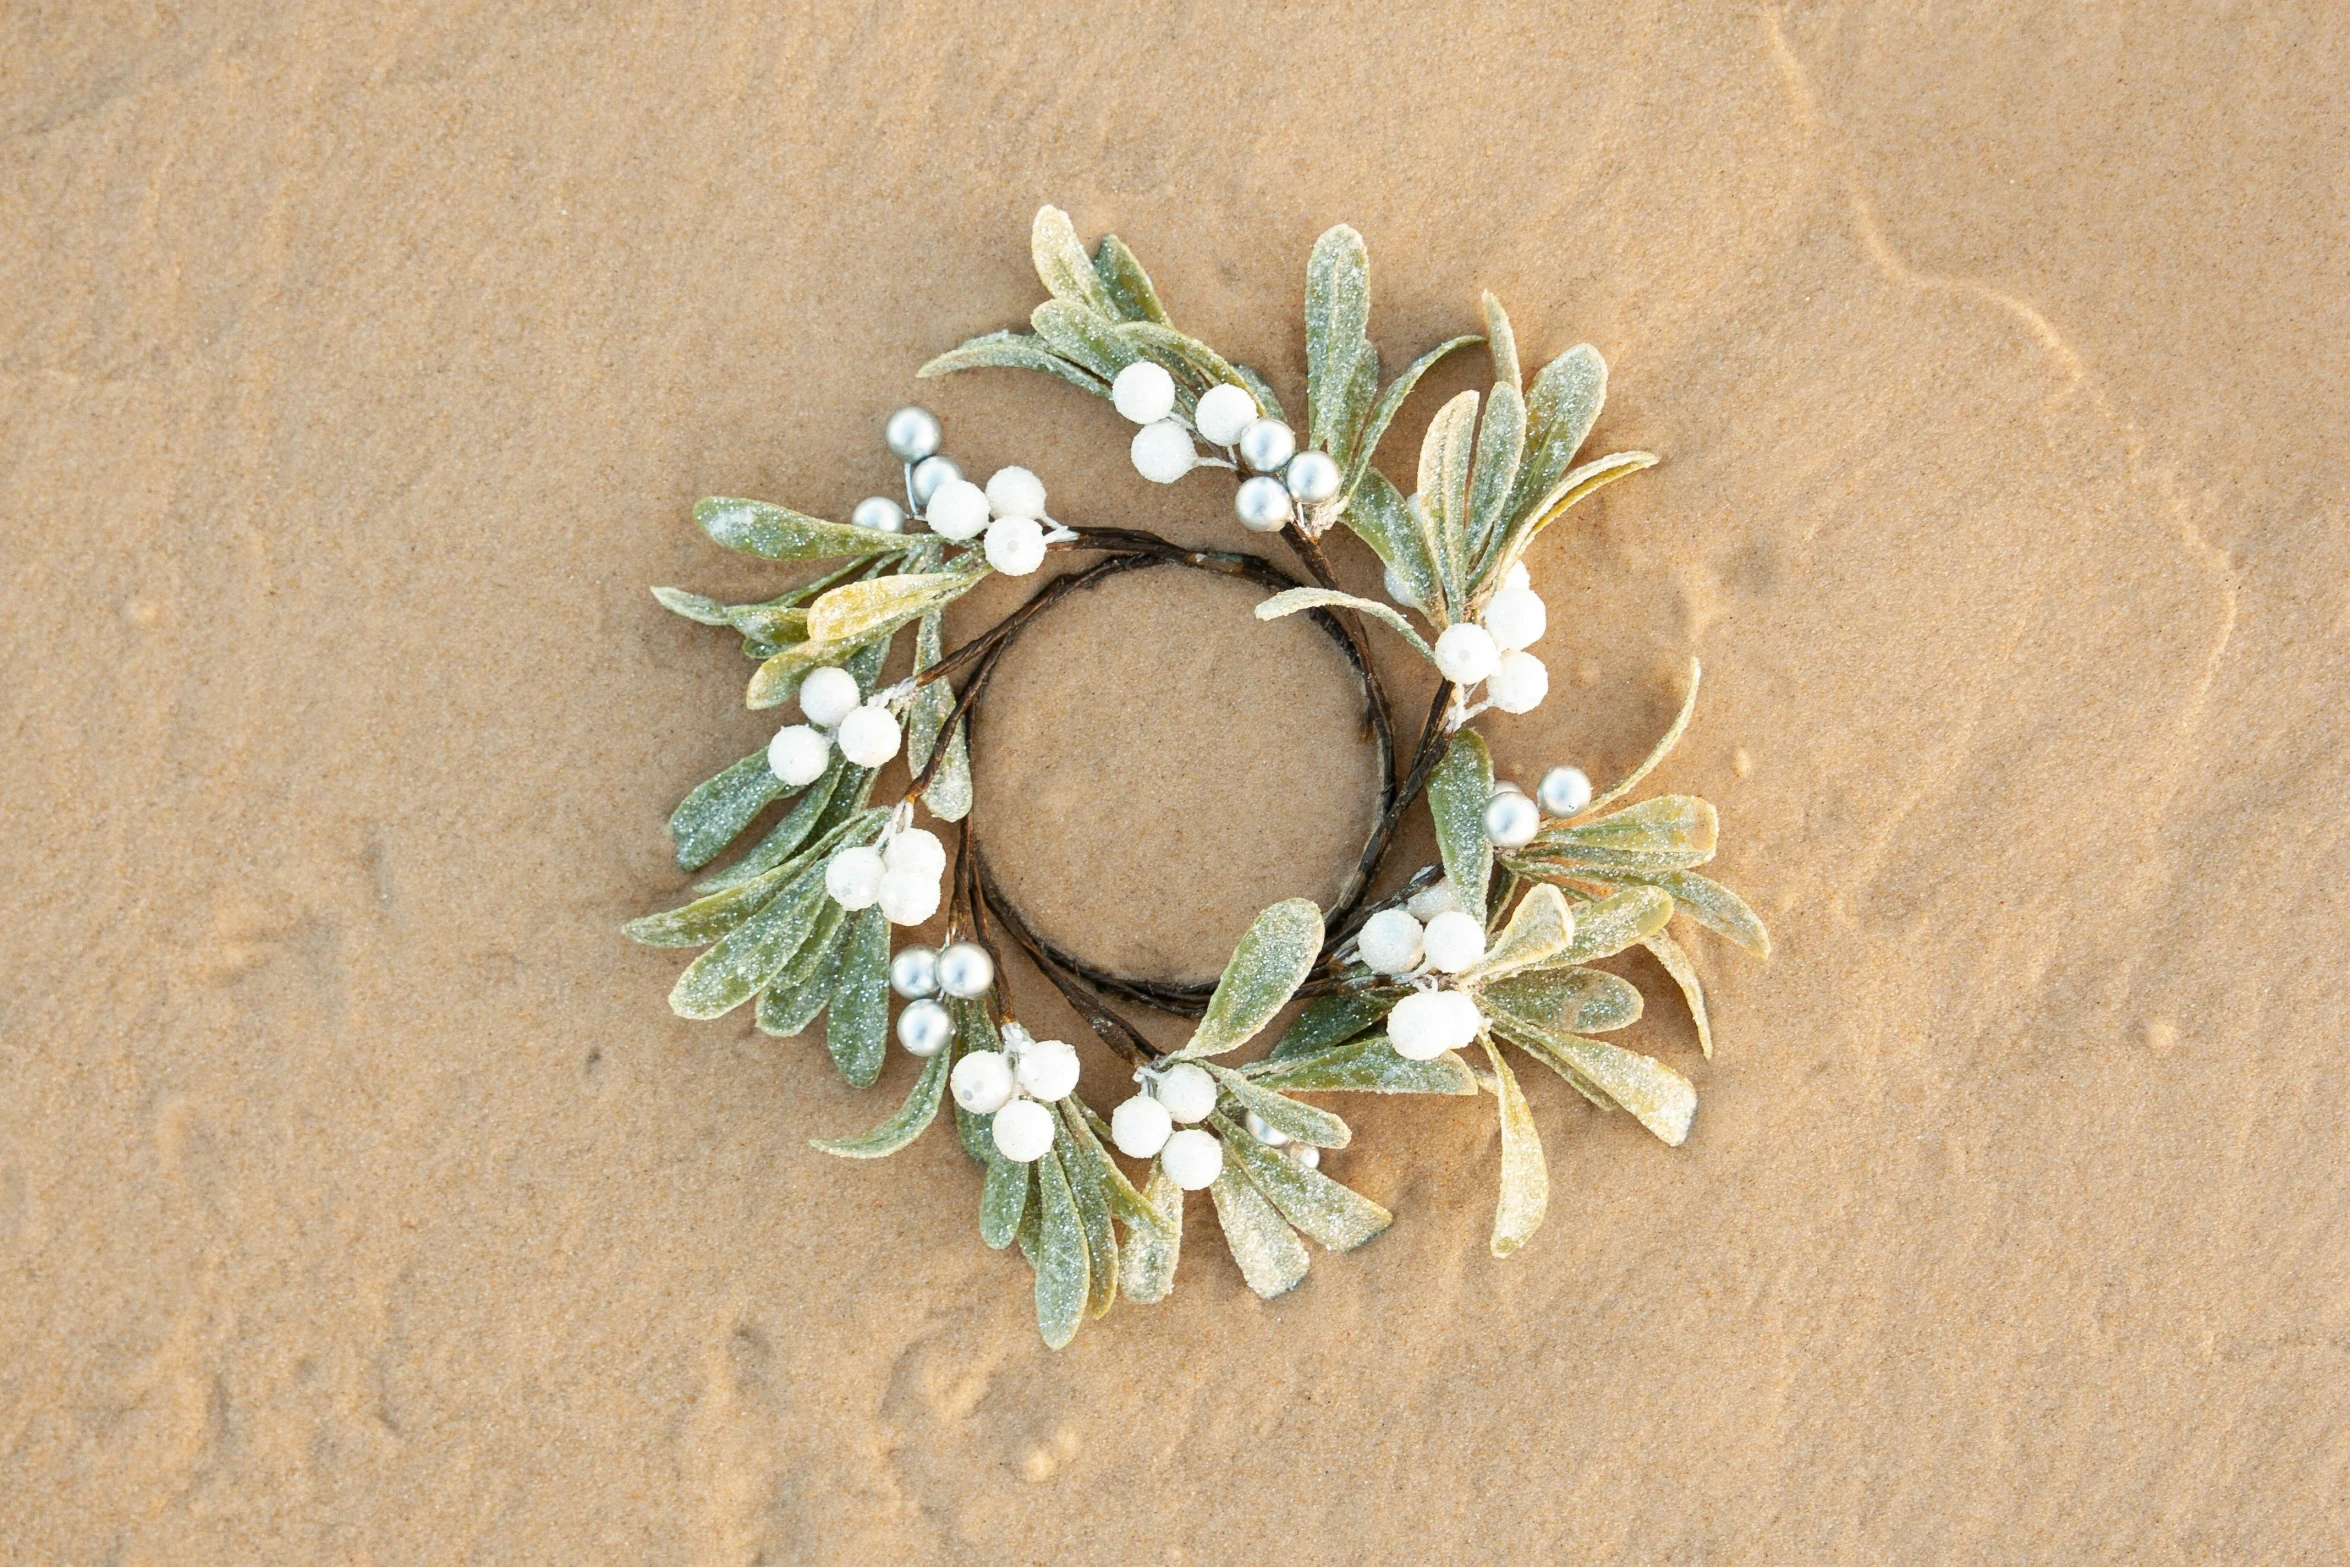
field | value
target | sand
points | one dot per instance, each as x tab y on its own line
360	1201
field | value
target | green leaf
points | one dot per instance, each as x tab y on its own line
705	920
1561	407
693	606
1147	1264
788	1006
1195	365
1366	1066
1013	351
777	680
856	610
1391	401
1083	337
1126	284
1525	1180
1712	905
1272	960
711	817
1331	1215
1572	1000
1302	1123
777	533
1667	833
1607	927
1383	519
911	1121
858	1034
1126	1204
1062	1282
1676	962
1295	600
1261	389
949	795
747	959
1662	749
1272	1259
1660	1098
1539	929
1458	791
1002	1200
1064	268
1338	318
784	839
1329	1021
1501	440
1447	453
1083	1170
927	714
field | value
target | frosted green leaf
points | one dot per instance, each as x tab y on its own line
1330	1021
911	1121
711	817
1501	343
1195	365
1539	929
705	920
1331	1215
693	606
1658	753
858	1033
928	712
949	794
777	680
1561	407
807	816
1272	1259
1667	833
1531	1041
1712	905
1368	1066
1087	1129
1391	401
1676	962
1592	476
1384	520
856	610
746	960
1447	453
1525	1180
1126	284
1607	927
768	628
788	1006
1299	1122
1295	600
1501	439
1660	1098
778	533
1147	1263
1083	337
1338	318
1458	792
1062	264
1575	1000
1062	1282
1260	389
1002	1200
1271	961
1083	1171
1013	351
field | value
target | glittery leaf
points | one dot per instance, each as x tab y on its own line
1561	407
1539	929
715	814
1083	337
1083	1170
1391	401
803	823
1295	600
1272	1259
1592	476
693	606
1127	285
1657	753
1676	962
928	712
778	533
1195	365
856	610
1328	1021
1501	438
1607	927
949	794
1329	1214
788	1006
1147	1263
1268	965
1381	518
1458	791
777	680
706	919
913	1118
1338	318
1574	1000
747	959
1712	905
1013	351
1062	264
1525	1180
858	1033
1368	1065
1003	1199
1062	1270
1302	1123
1447	454
1669	832
1660	1098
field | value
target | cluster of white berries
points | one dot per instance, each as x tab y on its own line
1163	451
1144	1127
1512	820
921	975
1493	647
1009	511
1015	1084
903	874
1429	936
836	711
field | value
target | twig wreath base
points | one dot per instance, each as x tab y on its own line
1492	946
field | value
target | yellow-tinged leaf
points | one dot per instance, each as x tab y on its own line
1272	1259
1293	600
1447	454
1676	962
1540	928
855	610
1333	1216
1571	1001
1661	1098
1607	927
1459	789
1525	1180
1146	1263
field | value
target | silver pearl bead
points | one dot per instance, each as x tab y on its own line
924	1028
1507	786
913	973
1306	1154
1511	820
931	475
1312	477
911	434
1564	791
1266	444
965	970
1263	1131
879	513
1262	505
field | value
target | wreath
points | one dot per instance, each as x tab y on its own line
1415	991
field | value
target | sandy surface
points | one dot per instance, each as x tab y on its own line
359	1199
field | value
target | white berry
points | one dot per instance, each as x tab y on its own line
1433	900
869	736
1517	618
1453	941
1390	942
916	849
1140	1127
1023	1131
1564	791
1518	683
982	1081
1047	1068
1192	1159
1015	545
1187	1091
1427	1023
798	754
1163	452
1015	492
1517	576
924	1028
1224	411
907	897
957	511
1511	820
1465	654
829	695
853	877
1143	392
